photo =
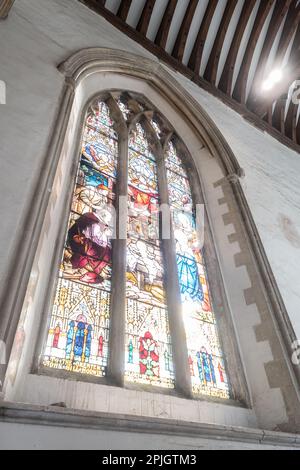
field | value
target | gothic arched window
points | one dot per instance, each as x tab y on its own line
132	290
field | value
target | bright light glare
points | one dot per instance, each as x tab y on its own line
267	85
274	77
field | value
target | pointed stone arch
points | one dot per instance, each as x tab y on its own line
89	65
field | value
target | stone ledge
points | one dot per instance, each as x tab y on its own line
57	416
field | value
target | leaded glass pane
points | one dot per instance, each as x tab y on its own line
204	352
143	211
142	173
148	353
79	326
79	329
179	191
138	141
98	118
99	151
78	334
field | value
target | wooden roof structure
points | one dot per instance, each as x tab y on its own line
227	47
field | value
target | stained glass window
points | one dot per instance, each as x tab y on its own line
79	331
205	356
79	326
148	354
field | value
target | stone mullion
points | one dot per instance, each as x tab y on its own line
179	345
118	292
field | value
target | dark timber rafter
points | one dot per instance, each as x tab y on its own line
196	55
239	92
251	36
179	46
298	131
278	113
124	9
225	83
291	117
296	46
213	62
290	26
164	28
144	20
5	6
290	125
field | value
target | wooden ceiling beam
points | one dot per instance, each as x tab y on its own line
5	6
239	92
142	26
164	28
166	58
269	115
225	83
290	25
296	46
196	55
180	42
298	131
210	73
277	19
290	124
123	10
278	114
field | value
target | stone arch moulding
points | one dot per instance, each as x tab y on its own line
88	61
76	69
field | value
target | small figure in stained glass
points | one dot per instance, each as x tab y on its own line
100	346
167	360
87	255
88	341
130	352
79	341
212	368
149	356
205	366
199	365
191	364
190	286
221	372
70	337
94	153
56	336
